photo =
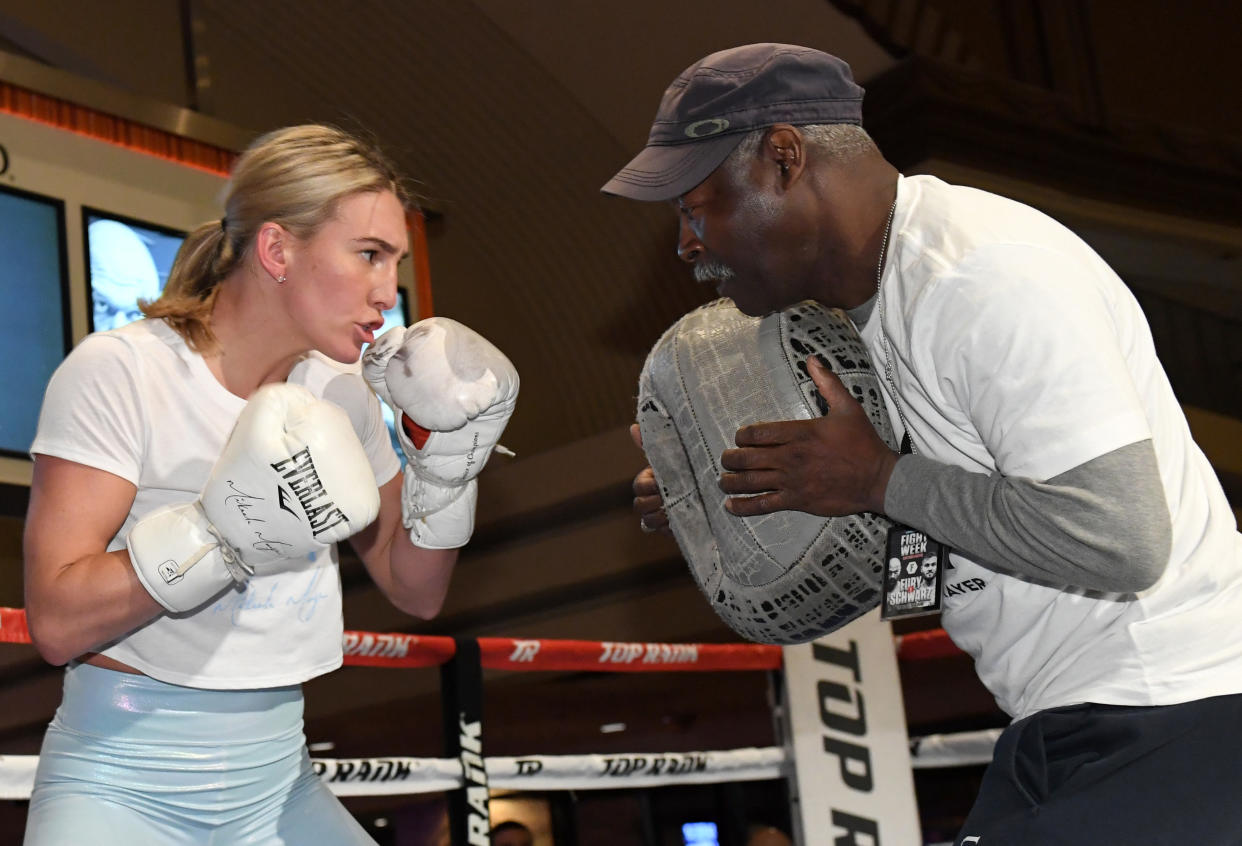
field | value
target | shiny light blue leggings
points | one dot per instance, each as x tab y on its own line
131	760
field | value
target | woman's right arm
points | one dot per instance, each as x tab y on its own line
78	595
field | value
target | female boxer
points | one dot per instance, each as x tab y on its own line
192	473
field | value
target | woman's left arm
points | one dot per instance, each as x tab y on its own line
452	392
414	579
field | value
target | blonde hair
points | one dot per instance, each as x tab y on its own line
294	177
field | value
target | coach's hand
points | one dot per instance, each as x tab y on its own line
648	504
832	465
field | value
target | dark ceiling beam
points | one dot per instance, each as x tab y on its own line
190	56
909	27
923	109
44	48
923	113
1048	45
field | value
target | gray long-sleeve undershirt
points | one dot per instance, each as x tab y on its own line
1101	526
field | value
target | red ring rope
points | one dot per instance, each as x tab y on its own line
374	649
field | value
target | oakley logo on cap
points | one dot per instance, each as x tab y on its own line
704	128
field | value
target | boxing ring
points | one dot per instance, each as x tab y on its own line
466	776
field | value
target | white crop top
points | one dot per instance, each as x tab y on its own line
138	403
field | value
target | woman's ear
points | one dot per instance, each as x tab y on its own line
271	248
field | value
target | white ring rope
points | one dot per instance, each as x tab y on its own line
399	776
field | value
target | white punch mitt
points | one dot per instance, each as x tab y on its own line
786	577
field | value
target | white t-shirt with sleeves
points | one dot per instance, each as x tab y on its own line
138	403
1015	349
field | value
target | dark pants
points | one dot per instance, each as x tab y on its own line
1110	775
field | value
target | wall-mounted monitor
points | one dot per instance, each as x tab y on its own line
700	834
44	278
35	332
398	315
127	260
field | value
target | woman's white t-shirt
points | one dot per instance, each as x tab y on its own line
138	403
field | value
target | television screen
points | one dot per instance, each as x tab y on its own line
699	834
398	315
34	316
127	261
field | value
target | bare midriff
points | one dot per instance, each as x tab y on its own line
99	660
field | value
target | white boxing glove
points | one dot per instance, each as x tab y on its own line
452	392
292	479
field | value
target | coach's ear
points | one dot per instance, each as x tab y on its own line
783	150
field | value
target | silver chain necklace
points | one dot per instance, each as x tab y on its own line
879	307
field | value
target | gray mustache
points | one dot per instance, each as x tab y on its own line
712	271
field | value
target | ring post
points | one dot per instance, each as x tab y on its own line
853	785
461	689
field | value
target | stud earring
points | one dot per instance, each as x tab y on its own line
281	279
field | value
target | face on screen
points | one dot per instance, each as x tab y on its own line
113	313
128	263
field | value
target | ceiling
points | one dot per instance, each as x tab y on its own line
509	115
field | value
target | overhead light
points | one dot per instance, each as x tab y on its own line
381	822
321	746
611	728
